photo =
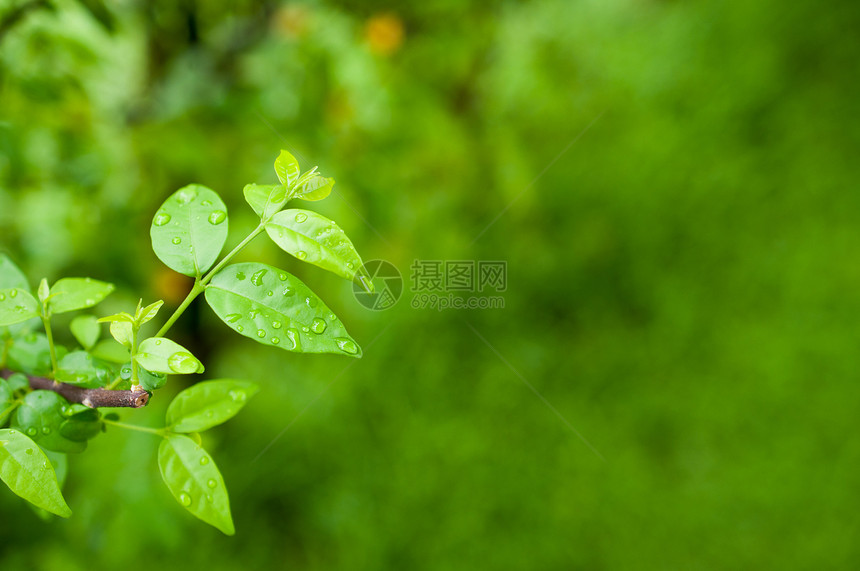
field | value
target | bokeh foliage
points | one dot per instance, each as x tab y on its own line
682	280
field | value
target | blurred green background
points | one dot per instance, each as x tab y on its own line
682	275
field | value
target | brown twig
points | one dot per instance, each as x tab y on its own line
93	398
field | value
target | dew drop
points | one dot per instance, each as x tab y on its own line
347	346
185	196
211	483
90	301
233	317
238	396
177	240
217	217
261	333
46	430
204	460
318	325
240	276
183	363
239	328
305	328
301	217
184	499
275	340
350	265
293	335
301	254
254	313
161	218
32	431
206	203
158	341
257	278
13	293
311	301
2	297
288	291
29	450
209	498
276	325
270	293
282	277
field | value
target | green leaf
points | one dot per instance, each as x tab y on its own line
266	199
18	381
117	317
69	294
110	350
315	188
41	416
17	305
82	369
189	230
161	355
5	401
276	308
29	473
31	354
11	276
314	239
122	332
86	330
149	312
82	424
287	168
195	482
208	404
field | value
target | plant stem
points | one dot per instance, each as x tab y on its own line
200	283
46	321
158	431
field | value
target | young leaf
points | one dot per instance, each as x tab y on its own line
208	404
11	276
117	317
161	355
189	230
314	239
315	188
69	294
276	308
121	331
29	474
266	199
41	416
17	305
44	291
287	168
149	312
195	482
86	330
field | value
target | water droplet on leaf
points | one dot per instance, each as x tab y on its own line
183	363
276	325
32	431
318	325
217	217
184	499
257	278
282	277
233	317
204	460
275	340
238	396
211	483
261	333
293	335
347	346
240	276
301	217
161	218
177	240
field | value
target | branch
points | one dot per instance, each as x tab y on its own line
93	398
